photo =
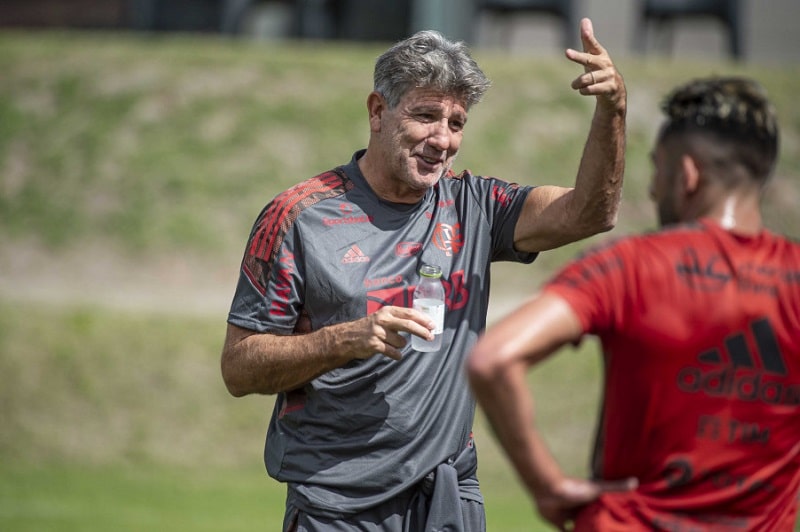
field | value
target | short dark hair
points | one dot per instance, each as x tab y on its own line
731	110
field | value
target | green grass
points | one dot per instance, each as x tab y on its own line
116	418
70	497
151	148
126	413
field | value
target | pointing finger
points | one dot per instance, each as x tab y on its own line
591	46
587	35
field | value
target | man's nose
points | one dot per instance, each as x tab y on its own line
440	135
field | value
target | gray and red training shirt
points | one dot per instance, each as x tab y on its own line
327	251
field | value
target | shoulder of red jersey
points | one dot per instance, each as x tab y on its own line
281	213
659	237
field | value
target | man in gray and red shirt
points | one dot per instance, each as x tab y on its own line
367	433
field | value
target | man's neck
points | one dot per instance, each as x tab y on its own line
387	189
737	212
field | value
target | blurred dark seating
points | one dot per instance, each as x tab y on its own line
360	20
357	20
149	15
63	13
176	15
565	11
236	12
663	14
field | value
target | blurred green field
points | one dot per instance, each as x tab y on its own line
119	421
139	163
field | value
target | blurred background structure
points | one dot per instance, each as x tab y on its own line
742	29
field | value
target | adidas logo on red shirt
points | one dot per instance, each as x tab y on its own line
354	254
741	376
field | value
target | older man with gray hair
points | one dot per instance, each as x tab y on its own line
368	433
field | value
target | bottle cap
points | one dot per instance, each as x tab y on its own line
430	270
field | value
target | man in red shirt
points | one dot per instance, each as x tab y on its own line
700	328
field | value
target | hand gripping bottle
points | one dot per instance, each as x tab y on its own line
429	299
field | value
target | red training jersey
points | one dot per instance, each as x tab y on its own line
700	330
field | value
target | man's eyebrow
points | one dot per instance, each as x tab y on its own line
437	108
427	106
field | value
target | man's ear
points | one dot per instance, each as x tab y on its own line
690	172
376	104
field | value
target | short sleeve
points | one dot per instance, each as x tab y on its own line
502	204
596	288
268	296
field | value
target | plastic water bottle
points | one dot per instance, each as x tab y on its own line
429	299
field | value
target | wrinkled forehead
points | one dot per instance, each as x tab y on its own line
432	96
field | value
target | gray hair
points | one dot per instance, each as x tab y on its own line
428	60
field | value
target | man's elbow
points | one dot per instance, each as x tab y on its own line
608	222
482	368
231	376
235	389
233	386
600	221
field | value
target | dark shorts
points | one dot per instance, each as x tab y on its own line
401	514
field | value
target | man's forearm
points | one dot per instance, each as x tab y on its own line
509	409
268	363
598	186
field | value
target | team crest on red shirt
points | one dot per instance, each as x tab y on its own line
448	238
